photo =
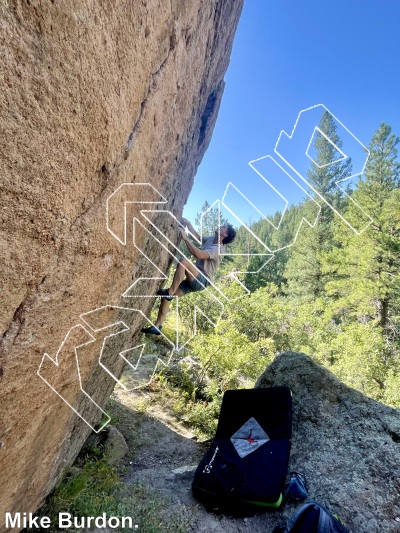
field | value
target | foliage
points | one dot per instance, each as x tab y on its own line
335	294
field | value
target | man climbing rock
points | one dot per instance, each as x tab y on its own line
191	277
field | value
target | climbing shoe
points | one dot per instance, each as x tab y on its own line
152	330
164	294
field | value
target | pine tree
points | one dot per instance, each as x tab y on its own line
370	263
304	271
366	288
323	176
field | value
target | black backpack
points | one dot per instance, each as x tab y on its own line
312	518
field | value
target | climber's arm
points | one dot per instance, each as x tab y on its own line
196	252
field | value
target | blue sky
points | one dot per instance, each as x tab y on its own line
288	56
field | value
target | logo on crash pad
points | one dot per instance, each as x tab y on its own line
249	438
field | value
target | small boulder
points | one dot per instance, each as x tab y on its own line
346	444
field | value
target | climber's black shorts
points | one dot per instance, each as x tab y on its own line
199	283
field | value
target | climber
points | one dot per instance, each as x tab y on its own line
189	277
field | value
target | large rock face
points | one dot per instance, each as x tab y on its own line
94	95
347	445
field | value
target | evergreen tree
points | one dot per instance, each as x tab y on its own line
366	288
323	176
280	241
304	272
369	264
